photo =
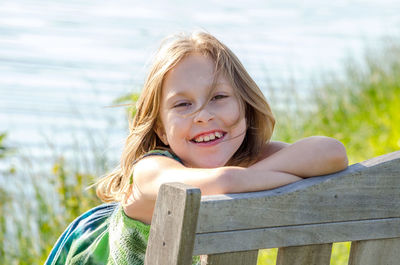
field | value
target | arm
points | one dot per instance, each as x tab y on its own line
308	157
312	156
279	164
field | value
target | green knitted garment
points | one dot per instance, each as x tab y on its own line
104	235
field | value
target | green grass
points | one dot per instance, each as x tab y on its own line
360	107
340	255
267	256
30	225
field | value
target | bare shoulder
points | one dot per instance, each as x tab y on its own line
150	167
146	178
272	147
146	174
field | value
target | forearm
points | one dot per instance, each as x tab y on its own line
308	157
237	179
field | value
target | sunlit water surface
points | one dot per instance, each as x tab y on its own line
63	62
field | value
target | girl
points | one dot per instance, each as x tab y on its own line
200	120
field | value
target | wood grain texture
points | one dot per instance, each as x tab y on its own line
305	255
173	225
368	190
302	219
234	258
373	252
286	236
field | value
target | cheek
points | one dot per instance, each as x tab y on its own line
240	128
175	126
231	113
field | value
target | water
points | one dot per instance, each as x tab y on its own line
62	62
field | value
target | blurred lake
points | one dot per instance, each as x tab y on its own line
63	62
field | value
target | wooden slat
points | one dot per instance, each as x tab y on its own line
305	255
234	258
220	242
173	225
368	190
373	252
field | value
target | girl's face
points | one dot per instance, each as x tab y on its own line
210	137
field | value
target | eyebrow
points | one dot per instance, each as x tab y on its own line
173	95
183	93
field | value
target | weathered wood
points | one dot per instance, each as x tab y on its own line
373	252
220	242
302	219
234	258
369	190
173	225
305	255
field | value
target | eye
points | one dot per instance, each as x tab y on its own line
220	96
182	104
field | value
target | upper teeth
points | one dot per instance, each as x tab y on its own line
208	137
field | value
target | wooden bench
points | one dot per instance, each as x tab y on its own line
360	204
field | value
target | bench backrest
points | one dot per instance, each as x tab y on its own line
360	204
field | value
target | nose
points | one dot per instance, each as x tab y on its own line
203	116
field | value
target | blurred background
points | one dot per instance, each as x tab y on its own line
329	68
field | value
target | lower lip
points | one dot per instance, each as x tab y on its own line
210	143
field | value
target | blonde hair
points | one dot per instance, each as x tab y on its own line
143	138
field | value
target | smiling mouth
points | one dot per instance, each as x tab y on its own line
208	137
